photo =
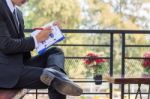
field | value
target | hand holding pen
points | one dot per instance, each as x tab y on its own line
44	34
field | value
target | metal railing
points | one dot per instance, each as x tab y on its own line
111	34
124	57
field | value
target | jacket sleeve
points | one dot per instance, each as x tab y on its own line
11	45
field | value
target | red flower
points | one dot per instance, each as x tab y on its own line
100	60
146	61
93	58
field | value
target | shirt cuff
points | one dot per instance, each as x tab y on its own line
35	41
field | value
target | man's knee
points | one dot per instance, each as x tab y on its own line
54	50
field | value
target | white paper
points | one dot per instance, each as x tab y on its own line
54	37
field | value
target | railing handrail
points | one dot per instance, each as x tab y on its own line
111	32
98	31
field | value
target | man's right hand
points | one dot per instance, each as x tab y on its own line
43	35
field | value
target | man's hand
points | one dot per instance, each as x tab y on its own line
57	23
44	34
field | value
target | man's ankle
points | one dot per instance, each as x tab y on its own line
58	69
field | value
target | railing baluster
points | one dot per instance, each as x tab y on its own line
111	45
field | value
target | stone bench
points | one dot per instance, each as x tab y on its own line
13	93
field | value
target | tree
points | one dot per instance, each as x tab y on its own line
39	12
97	14
118	15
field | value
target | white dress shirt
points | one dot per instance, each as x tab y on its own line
12	8
10	5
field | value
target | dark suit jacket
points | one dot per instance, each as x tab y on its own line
14	48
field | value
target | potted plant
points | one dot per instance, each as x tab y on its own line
95	64
146	64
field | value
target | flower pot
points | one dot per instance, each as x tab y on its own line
98	79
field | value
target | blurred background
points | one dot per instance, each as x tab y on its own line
93	15
89	14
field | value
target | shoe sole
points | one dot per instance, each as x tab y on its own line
67	88
63	87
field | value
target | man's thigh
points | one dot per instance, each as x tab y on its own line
52	57
30	78
41	60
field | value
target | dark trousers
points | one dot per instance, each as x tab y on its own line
30	76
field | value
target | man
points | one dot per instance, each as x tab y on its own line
18	69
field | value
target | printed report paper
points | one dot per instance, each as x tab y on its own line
55	37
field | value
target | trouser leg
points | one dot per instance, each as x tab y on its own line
30	78
53	58
53	94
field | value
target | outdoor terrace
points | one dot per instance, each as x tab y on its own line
117	46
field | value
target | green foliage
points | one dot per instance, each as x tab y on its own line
100	15
40	12
146	71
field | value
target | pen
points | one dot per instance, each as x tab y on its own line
38	28
51	35
42	28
